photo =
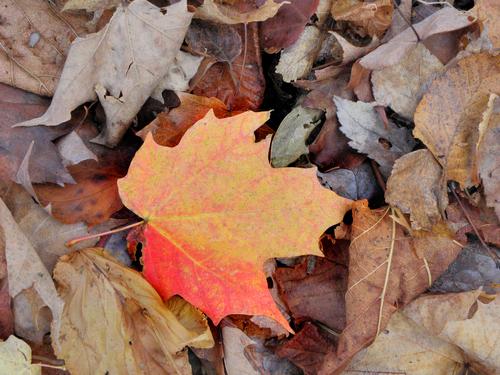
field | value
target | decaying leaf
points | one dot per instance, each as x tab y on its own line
34	41
285	27
203	213
448	116
240	85
290	142
488	153
15	358
369	135
372	17
416	186
108	305
45	164
121	65
224	13
402	85
387	269
444	20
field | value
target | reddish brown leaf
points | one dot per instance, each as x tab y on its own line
285	27
240	85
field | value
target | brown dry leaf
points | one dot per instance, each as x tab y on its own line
34	41
445	20
240	85
91	5
225	13
113	320
372	17
121	65
369	135
45	164
488	13
402	85
416	187
387	269
169	127
488	153
94	197
447	118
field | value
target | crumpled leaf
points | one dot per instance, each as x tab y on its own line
240	85
488	12
91	5
387	269
15	358
169	127
214	40
45	164
203	213
24	266
285	27
108	305
121	65
402	85
371	17
444	20
222	13
34	42
369	135
290	142
488	153
447	118
416	187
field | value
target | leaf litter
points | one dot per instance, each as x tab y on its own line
260	187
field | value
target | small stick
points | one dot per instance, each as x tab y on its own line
90	236
378	175
408	22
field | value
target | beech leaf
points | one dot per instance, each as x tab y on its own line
217	210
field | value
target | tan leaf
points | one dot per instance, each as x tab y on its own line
121	65
447	118
488	13
221	13
444	20
34	41
15	358
488	153
91	5
416	187
113	319
402	85
387	269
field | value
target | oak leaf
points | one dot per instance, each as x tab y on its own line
108	305
215	210
447	118
387	269
120	65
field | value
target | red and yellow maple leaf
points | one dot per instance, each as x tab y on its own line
215	210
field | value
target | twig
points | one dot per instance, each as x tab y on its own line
408	22
424	2
378	175
83	238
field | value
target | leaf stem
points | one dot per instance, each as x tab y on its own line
90	236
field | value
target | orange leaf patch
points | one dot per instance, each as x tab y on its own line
216	210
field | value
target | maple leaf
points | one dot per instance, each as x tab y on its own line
215	210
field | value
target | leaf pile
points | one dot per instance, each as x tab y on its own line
249	187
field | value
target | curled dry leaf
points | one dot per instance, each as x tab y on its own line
240	85
445	20
488	12
372	17
369	135
169	127
120	70
285	27
45	164
447	118
210	10
387	269
108	305
15	358
35	39
402	85
416	186
203	212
